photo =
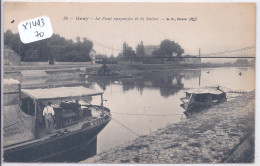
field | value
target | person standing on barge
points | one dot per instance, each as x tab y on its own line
49	113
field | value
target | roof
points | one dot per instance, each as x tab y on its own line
60	92
34	73
10	81
205	90
148	49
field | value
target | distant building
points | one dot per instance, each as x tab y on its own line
11	58
100	58
148	50
241	61
189	60
92	55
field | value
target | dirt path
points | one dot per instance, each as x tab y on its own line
211	136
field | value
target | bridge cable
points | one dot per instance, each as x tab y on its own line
223	52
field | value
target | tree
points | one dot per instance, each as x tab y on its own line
178	49
140	50
158	53
8	37
55	47
87	45
124	49
12	41
128	52
120	55
78	39
168	48
31	55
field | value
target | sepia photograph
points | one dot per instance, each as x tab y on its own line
128	82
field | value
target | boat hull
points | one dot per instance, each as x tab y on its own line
65	147
197	108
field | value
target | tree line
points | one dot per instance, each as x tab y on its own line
55	47
60	49
167	48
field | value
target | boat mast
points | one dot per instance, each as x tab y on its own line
35	115
102	104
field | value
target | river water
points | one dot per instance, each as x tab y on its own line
151	100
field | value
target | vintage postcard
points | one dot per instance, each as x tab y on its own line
133	82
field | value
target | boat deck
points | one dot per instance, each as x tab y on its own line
42	132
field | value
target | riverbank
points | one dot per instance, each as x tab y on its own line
117	67
49	67
79	70
224	133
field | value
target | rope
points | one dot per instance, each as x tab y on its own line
146	114
116	120
16	123
125	127
13	124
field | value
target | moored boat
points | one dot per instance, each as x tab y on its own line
200	98
105	73
77	123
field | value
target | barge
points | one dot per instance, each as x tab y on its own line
76	126
201	98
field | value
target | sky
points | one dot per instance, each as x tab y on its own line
217	26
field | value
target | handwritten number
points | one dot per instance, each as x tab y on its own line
41	34
42	22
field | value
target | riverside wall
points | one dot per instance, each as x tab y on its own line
221	134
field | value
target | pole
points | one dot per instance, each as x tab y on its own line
112	50
28	105
102	104
20	96
199	77
19	48
112	54
200	69
35	114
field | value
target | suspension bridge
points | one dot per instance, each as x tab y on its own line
240	53
246	52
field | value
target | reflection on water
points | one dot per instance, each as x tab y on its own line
168	82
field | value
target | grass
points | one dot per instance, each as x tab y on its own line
136	147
